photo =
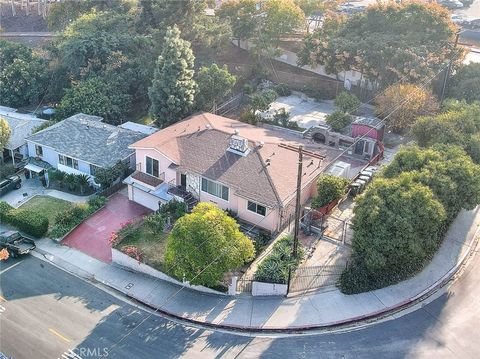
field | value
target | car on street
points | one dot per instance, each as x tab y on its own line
16	244
451	4
9	184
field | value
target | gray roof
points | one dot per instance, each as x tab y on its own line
21	125
148	130
246	174
369	121
88	139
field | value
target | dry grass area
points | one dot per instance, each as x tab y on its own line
151	246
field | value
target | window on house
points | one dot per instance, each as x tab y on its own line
152	167
68	161
39	150
215	189
93	169
257	208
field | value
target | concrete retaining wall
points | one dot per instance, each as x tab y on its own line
259	288
125	261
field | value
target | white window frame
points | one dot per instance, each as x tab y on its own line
146	167
38	150
63	160
214	194
256	208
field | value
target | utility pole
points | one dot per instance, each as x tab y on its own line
449	68
297	202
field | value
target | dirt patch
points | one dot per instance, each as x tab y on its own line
21	22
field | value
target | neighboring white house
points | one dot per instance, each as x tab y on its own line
82	143
21	126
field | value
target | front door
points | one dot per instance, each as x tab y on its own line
183	180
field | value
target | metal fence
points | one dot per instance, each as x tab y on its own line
315	277
244	285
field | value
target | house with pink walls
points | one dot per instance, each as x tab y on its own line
249	170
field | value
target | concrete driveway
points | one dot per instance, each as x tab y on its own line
30	188
92	236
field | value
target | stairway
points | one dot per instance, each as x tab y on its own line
190	201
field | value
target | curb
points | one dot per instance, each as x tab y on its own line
344	323
370	317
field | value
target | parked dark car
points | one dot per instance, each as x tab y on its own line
10	183
16	244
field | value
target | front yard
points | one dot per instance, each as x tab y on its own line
48	206
152	246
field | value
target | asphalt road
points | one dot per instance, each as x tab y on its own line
45	312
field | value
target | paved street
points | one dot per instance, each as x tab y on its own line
47	312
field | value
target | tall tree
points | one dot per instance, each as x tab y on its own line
214	84
206	244
402	113
265	23
385	43
106	45
173	89
457	124
398	226
22	75
94	96
465	83
5	133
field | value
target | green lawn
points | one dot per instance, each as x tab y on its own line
151	246
48	206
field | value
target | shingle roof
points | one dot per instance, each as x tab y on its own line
199	144
88	139
21	126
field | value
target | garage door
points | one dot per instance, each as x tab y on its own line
145	199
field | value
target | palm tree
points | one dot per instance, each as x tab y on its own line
70	180
82	181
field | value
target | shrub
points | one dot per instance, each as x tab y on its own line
338	120
347	102
275	267
329	188
398	226
96	202
71	181
248	88
6	170
206	236
173	209
32	223
249	117
261	240
283	90
4	209
262	100
155	223
133	252
66	221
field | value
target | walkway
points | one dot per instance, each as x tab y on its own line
300	312
92	236
32	187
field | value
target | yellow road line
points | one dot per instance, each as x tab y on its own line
53	331
3	299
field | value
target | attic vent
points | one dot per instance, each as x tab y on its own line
238	145
112	138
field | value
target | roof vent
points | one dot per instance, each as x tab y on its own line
207	126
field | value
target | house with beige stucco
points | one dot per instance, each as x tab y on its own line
249	170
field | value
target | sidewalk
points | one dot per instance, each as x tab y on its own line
246	312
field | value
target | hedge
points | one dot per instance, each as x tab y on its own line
274	268
30	222
66	221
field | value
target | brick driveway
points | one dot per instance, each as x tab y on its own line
91	237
